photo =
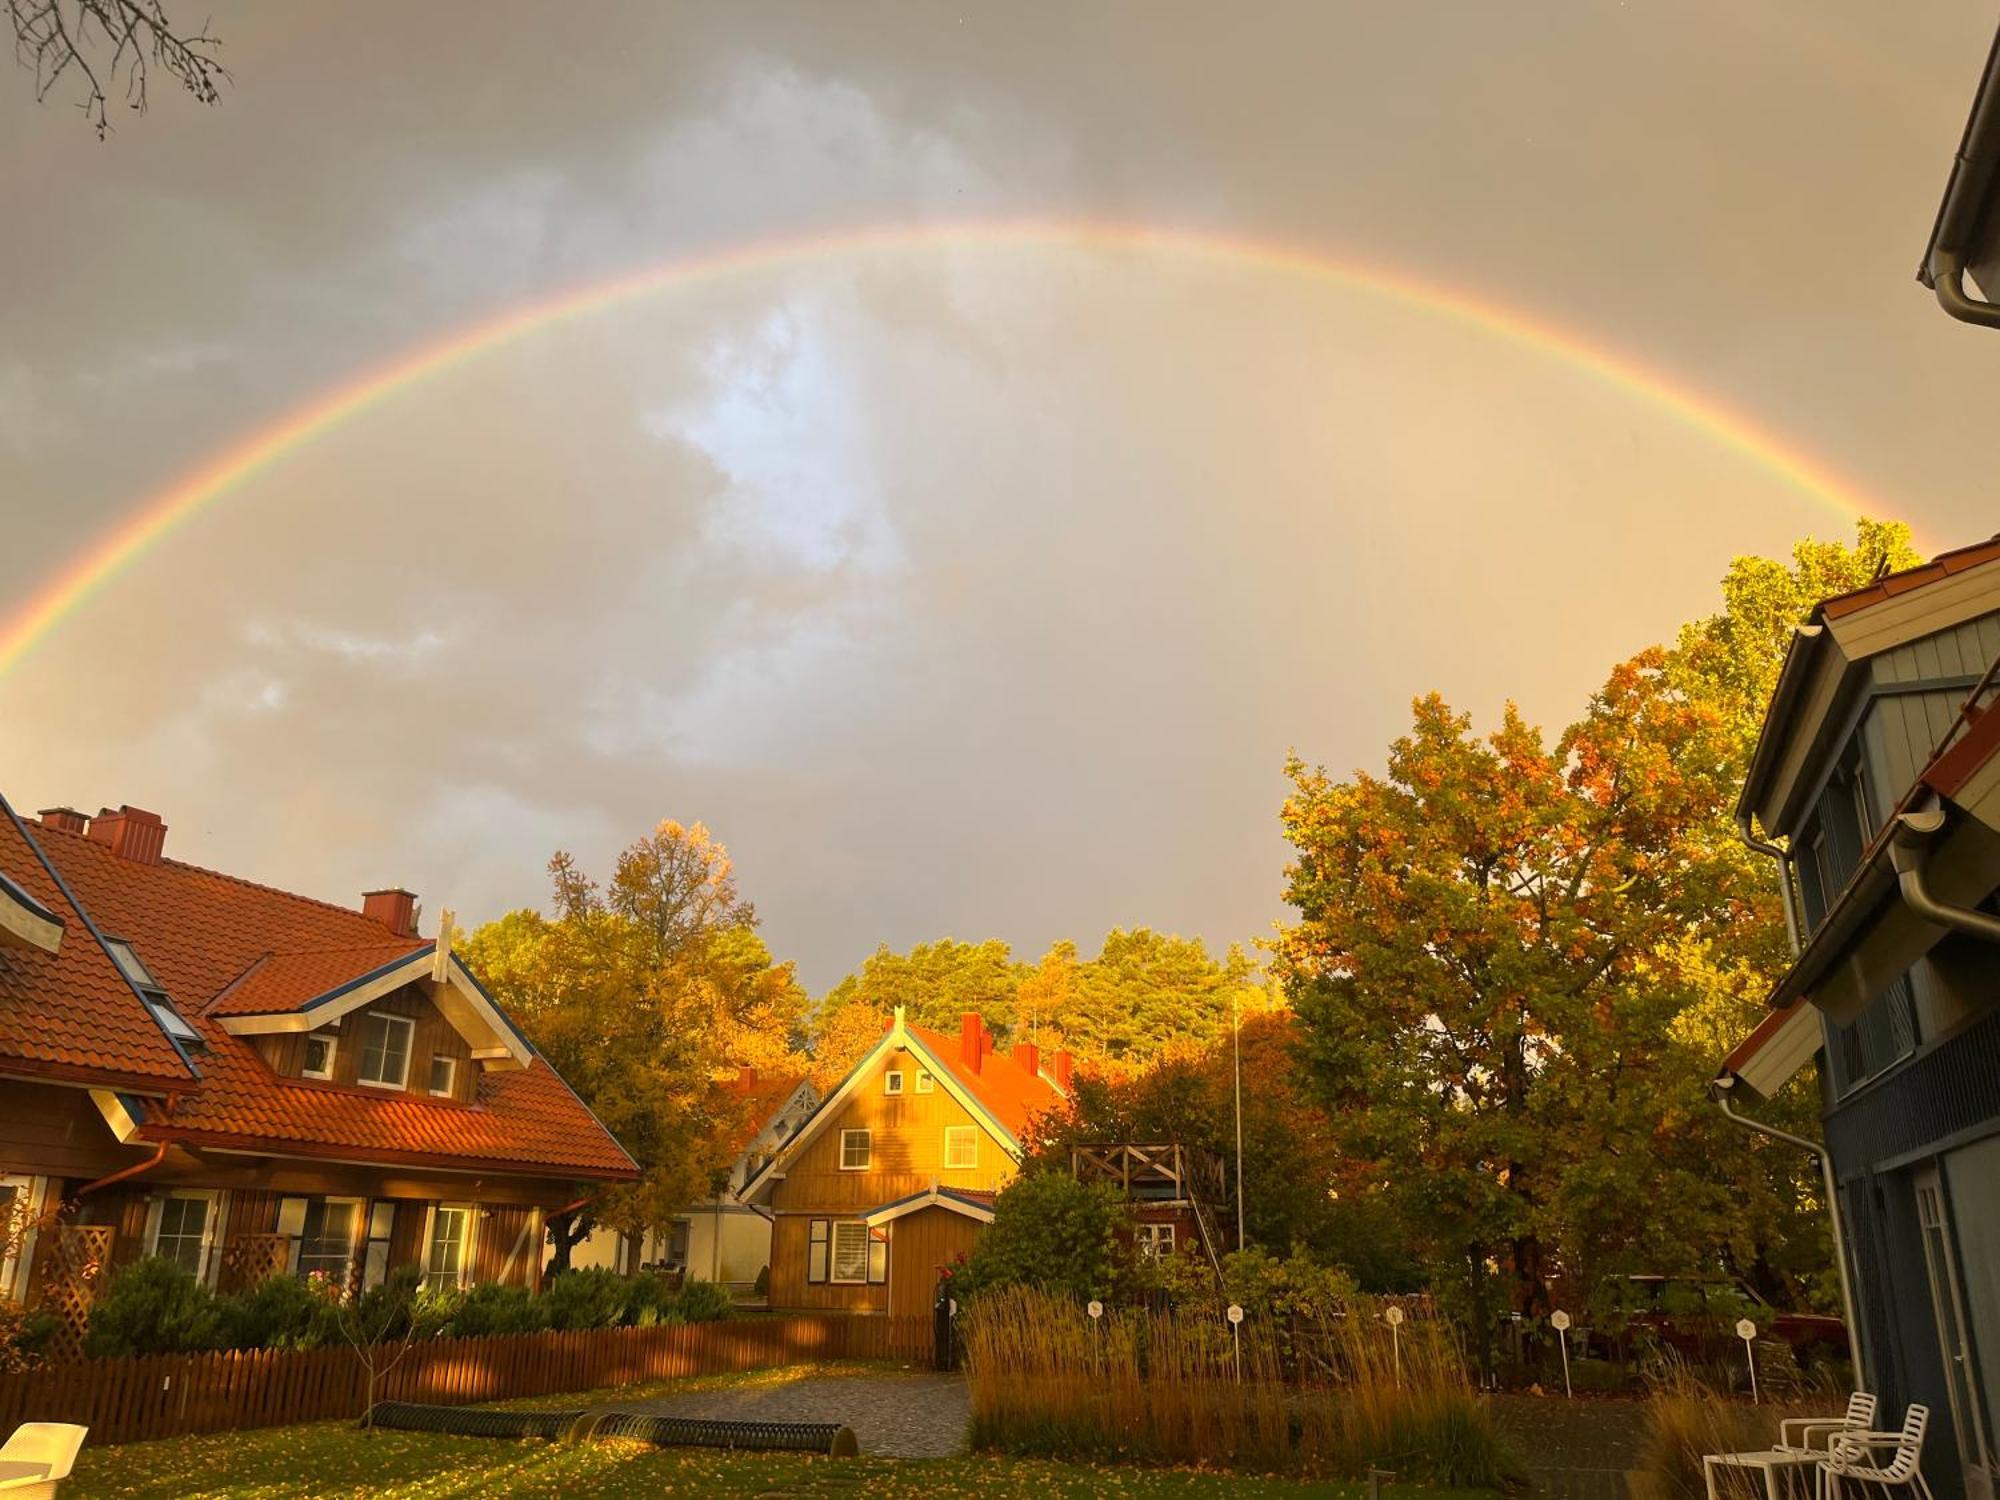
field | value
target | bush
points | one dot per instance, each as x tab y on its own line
651	1299
705	1302
1055	1234
282	1312
491	1309
153	1306
595	1298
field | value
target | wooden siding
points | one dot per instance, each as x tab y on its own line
433	1036
906	1133
919	1244
46	1131
789	1287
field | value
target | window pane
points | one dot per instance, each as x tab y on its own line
319	1056
443	1070
850	1252
326	1244
183	1223
961	1146
444	1264
854	1148
385	1052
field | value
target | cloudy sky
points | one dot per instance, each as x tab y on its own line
973	586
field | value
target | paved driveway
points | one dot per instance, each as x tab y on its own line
898	1416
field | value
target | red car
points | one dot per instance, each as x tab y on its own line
1699	1317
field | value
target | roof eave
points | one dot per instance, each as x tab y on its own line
1967	203
1792	675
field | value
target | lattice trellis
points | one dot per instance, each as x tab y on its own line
250	1259
73	1269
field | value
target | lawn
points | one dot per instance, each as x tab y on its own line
331	1458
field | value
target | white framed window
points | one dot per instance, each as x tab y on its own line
385	1051
329	1233
447	1245
925	1083
892	1081
180	1227
319	1055
1154	1241
444	1076
850	1253
961	1147
856	1150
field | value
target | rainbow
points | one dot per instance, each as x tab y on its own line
158	516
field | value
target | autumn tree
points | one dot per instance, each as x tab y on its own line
646	993
1517	964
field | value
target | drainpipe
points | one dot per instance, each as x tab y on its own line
1764	846
1948	281
1719	1092
1906	854
123	1173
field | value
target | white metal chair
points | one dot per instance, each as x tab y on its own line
37	1456
1816	1434
1852	1455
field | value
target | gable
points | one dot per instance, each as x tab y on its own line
906	1129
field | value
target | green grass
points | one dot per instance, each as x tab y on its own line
333	1459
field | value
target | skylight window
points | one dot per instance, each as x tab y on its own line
158	1001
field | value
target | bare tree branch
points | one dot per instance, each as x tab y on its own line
54	37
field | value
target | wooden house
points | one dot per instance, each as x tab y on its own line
893	1175
1878	766
248	1081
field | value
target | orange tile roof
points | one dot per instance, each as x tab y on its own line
1939	568
285	981
1008	1091
212	939
70	1014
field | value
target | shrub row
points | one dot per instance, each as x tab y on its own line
155	1306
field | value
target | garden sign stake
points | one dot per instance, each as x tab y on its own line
1746	1331
1559	1320
1096	1311
1236	1334
1394	1317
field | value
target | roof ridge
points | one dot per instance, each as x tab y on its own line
166	861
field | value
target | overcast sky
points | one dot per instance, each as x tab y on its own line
971	592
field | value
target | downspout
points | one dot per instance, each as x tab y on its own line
1906	854
1764	846
1948	281
123	1173
1719	1092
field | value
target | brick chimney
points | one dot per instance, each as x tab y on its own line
972	1040
130	833
1029	1056
64	819
394	909
746	1076
1061	1065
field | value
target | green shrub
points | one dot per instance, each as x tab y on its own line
651	1299
1055	1234
491	1309
282	1312
705	1302
153	1306
595	1298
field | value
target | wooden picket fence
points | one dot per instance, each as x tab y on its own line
169	1395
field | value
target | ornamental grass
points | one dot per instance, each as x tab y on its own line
1158	1385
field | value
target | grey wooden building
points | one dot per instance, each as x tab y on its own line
1879	769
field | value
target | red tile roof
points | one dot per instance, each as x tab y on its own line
285	981
757	1098
70	1014
1939	568
218	944
1008	1091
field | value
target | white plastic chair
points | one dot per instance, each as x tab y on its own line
1860	1413
1851	1456
37	1456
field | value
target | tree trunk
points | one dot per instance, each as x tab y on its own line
565	1234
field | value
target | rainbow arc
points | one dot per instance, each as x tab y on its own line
157	517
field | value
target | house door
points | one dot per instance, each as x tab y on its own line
1947	1279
